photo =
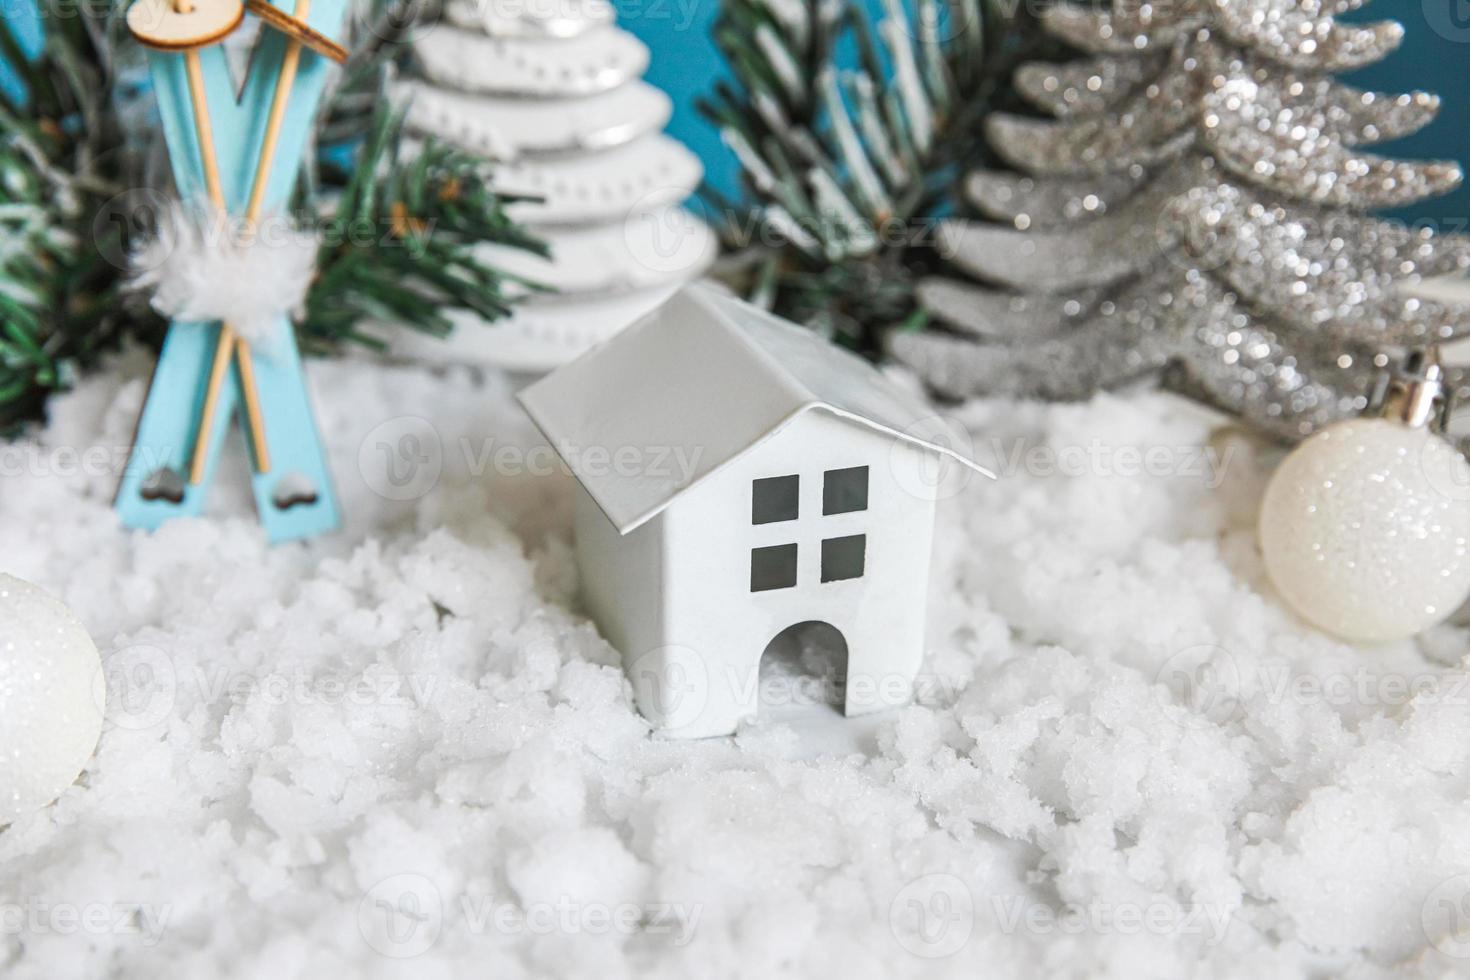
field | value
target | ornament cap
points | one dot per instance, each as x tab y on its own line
1414	394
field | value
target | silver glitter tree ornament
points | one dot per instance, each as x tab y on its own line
1197	201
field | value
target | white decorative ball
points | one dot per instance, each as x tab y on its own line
1365	530
50	719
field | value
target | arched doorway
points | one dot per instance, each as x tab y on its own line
804	670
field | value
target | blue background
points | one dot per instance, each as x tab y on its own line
1435	56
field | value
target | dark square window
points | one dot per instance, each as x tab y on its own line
772	568
844	491
774	499
843	558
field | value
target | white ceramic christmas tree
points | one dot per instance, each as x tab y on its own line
553	95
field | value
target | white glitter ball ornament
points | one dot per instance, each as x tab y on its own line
1365	528
50	718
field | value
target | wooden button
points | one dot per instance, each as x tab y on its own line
179	25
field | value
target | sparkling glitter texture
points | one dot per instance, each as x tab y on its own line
50	717
1365	530
1198	200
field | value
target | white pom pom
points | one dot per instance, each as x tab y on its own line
204	266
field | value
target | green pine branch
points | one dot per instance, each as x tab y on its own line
63	156
401	244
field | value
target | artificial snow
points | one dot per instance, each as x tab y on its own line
402	751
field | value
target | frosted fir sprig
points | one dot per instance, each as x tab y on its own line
845	168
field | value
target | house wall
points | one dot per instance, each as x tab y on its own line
621	586
721	627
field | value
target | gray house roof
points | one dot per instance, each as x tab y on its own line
712	377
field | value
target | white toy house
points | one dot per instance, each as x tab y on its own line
741	476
